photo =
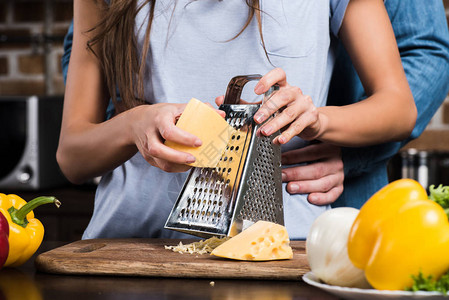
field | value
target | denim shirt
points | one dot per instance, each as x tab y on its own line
422	35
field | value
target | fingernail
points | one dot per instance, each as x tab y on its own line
266	130
259	117
198	143
294	188
282	139
312	199
190	159
259	88
284	176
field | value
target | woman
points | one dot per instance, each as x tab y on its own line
170	51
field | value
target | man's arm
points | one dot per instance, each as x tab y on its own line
422	35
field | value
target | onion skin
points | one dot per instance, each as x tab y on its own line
327	252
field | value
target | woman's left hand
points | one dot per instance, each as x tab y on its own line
297	113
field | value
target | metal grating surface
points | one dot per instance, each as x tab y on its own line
260	200
206	200
245	186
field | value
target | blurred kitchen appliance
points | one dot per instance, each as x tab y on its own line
29	134
246	185
425	166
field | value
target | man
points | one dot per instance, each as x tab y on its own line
422	36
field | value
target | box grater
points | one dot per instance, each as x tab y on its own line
246	185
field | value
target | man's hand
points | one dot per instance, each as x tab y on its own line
322	178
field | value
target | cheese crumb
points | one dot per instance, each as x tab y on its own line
200	247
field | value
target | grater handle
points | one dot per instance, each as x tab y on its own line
235	87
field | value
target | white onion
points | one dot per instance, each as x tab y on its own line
327	251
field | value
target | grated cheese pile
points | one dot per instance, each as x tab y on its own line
200	247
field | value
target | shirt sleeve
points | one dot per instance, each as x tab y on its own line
68	39
337	13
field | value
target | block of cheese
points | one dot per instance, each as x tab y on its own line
260	242
212	129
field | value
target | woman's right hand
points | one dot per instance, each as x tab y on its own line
151	125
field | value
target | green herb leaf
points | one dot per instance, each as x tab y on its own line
422	283
441	196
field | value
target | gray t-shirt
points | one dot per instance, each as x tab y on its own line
193	55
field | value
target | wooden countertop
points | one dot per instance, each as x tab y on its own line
26	282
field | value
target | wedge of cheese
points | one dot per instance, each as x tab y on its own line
212	129
260	242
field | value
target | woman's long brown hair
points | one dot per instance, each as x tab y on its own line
118	51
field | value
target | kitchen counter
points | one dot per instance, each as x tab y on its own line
26	282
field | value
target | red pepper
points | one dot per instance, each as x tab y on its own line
4	243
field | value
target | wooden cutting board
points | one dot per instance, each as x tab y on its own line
148	257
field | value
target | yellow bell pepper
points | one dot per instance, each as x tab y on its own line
398	233
25	231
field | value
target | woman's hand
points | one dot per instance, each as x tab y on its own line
151	125
297	113
322	178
